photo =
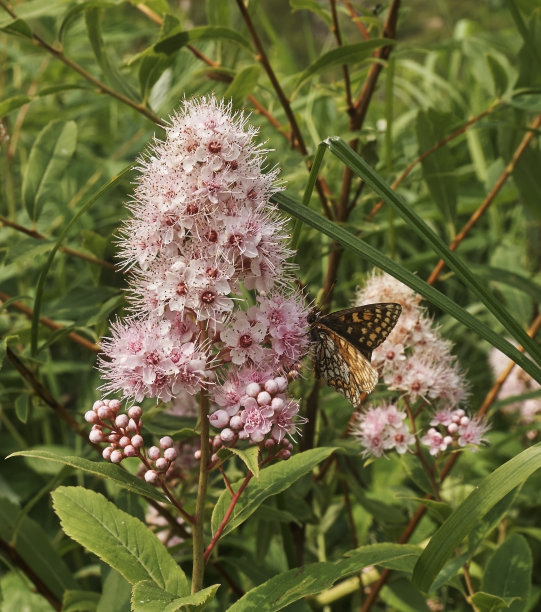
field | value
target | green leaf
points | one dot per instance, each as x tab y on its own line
147	597
290	586
243	84
22	407
80	601
509	571
490	491
110	71
49	157
78	9
108	471
9	104
346	54
249	456
272	480
121	540
485	602
17	27
438	167
179	38
311	5
32	545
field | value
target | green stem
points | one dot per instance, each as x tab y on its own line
199	526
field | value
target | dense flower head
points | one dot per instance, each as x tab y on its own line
517	383
213	305
381	429
415	359
450	427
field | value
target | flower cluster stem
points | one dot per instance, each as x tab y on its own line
199	525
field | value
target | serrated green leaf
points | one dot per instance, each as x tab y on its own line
121	540
9	104
346	54
50	154
146	597
103	469
243	84
272	480
32	545
484	497
249	456
509	571
290	586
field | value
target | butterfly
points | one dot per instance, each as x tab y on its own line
344	341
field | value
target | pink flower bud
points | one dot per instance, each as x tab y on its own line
132	425
154	453
250	403
104	412
91	417
116	456
219	419
243	435
277	404
114	437
197	454
252	389
161	464
170	454
281	381
135	412
137	441
115	405
284	454
264	398
464	421
271	386
217	443
122	420
130	451
124	441
235	422
227	435
97	405
151	476
269	443
96	435
447	440
166	442
452	428
106	453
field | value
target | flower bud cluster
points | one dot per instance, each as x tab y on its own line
254	410
453	428
121	432
160	459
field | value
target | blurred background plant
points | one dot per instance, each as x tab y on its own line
447	110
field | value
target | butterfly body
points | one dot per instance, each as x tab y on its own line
344	341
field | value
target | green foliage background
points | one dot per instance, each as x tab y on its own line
85	86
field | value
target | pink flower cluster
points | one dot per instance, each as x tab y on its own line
381	429
415	359
201	237
453	426
516	384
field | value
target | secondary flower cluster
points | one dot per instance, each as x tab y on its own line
416	361
202	233
517	383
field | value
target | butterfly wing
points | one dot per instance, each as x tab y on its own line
365	327
343	367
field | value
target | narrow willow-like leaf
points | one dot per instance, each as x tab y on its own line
44	271
493	488
121	540
50	154
378	259
290	586
346	54
9	104
175	40
105	470
80	601
346	154
79	8
34	548
272	480
147	597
